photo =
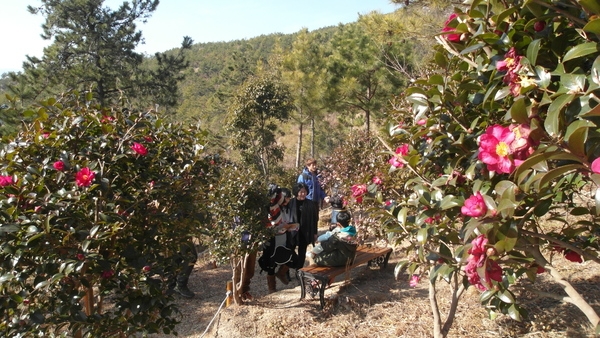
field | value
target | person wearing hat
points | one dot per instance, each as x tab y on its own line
337	247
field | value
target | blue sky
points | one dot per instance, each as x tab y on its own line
202	20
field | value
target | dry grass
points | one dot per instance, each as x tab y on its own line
373	304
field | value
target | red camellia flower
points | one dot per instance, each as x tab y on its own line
397	161
6	180
481	270
80	256
106	274
573	256
59	165
539	26
451	37
474	206
146	268
84	177
139	148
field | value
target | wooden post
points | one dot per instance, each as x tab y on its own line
230	296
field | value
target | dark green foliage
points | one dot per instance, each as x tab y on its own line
256	114
120	234
93	51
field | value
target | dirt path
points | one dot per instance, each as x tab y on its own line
373	304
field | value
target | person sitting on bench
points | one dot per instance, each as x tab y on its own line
337	247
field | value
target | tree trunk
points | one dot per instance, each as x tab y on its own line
573	296
312	137
237	266
299	145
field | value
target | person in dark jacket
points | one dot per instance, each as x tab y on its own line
339	247
309	176
304	212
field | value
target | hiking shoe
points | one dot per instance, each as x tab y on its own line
184	292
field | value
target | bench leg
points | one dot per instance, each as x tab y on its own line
317	285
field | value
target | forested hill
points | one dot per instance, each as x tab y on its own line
218	68
339	77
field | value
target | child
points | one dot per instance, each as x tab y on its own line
337	205
337	247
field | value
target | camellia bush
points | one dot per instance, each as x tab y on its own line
238	204
493	155
94	206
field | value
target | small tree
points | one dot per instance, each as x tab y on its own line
261	105
238	205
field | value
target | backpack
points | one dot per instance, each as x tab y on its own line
278	251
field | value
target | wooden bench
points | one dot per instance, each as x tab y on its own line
315	279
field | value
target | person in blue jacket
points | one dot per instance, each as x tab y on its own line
309	176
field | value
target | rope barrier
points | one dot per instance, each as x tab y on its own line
218	310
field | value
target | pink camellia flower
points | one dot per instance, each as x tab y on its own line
522	146
596	166
474	206
414	281
106	274
397	161
139	148
358	190
422	122
59	165
6	180
494	149
478	245
377	180
451	37
84	177
573	256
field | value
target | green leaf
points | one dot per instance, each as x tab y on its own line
581	50
592	26
553	119
399	268
544	77
576	136
597	200
533	50
508	233
506	296
514	313
422	235
560	171
486	295
450	201
518	111
591	6
402	216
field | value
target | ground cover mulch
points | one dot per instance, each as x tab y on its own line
372	303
